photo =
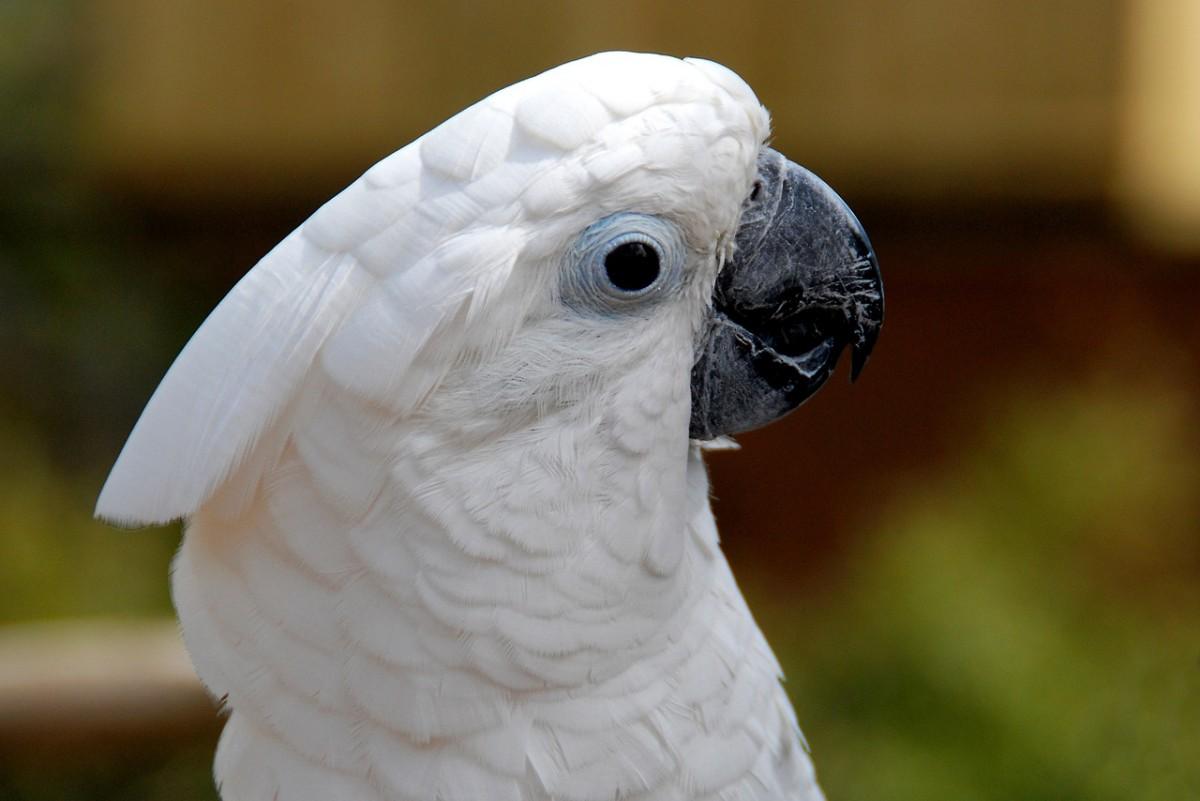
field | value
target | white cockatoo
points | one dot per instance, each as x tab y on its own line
439	453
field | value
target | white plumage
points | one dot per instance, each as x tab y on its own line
447	536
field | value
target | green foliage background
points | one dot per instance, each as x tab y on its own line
1025	625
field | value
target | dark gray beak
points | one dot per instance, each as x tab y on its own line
803	284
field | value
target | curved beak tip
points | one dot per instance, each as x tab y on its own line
858	360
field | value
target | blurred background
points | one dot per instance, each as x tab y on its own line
980	565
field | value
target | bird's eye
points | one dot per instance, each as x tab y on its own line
622	262
632	266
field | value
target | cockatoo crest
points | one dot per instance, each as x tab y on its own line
441	249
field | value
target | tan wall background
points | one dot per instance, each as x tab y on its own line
934	97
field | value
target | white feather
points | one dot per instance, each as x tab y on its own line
447	538
229	383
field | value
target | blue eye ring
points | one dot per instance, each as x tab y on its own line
622	262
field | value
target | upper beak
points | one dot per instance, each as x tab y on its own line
803	284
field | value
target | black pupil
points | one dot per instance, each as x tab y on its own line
632	266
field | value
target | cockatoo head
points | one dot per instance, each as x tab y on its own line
611	239
616	231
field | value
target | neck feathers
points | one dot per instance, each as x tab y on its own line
545	616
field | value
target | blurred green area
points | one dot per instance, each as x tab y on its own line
179	772
58	561
1025	624
1019	619
77	332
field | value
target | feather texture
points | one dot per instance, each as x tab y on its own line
447	537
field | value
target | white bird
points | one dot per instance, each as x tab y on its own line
439	453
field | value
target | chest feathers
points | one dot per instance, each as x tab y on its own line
415	611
